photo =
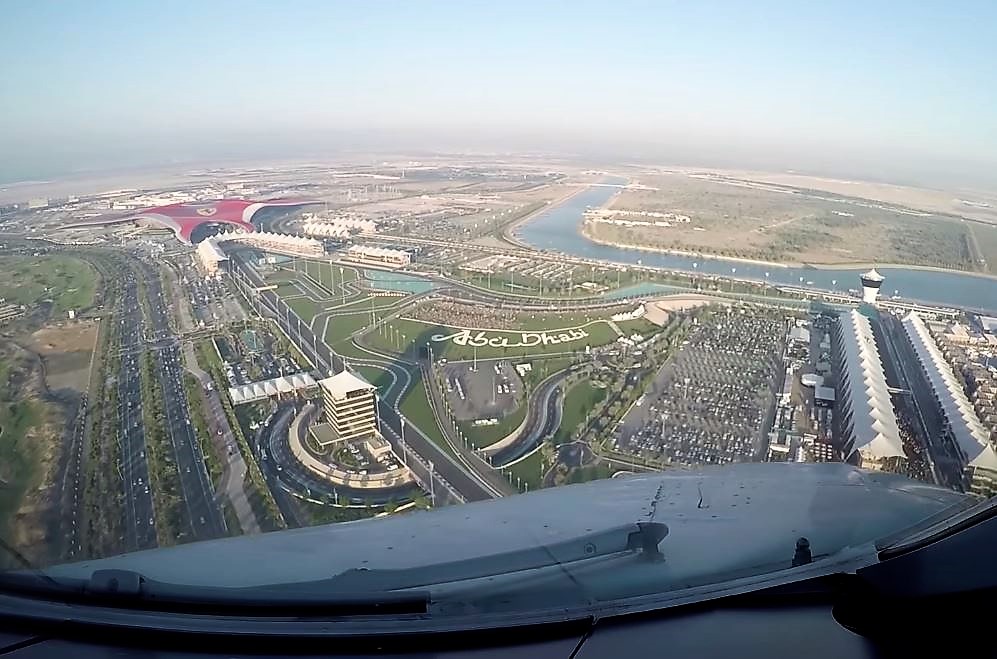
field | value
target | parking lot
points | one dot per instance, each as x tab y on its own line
708	405
491	392
212	301
251	355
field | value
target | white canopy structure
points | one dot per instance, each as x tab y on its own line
288	384
868	412
968	432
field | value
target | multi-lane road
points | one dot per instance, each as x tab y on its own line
203	516
140	528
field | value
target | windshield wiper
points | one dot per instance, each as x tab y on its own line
131	590
640	538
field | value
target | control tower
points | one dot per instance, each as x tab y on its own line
871	281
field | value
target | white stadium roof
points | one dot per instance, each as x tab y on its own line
969	433
254	391
874	422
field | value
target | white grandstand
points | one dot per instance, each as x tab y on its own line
289	384
869	422
337	228
966	430
210	253
279	243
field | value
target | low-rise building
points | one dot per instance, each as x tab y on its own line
871	438
210	255
378	255
963	428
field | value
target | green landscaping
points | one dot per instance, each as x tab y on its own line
288	289
482	436
257	491
324	272
985	237
20	451
402	335
305	307
529	470
639	325
195	401
379	377
579	402
415	408
163	477
341	328
364	303
68	282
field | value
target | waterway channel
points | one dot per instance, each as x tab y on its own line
558	229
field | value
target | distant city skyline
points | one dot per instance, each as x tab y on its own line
886	91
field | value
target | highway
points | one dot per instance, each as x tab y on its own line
203	514
74	472
140	528
440	464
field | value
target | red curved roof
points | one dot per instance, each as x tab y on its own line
182	218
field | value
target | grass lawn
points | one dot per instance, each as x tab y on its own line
482	436
543	368
641	326
529	470
19	454
580	399
591	473
278	276
68	282
415	408
413	333
342	327
304	307
363	303
288	290
322	271
986	238
378	377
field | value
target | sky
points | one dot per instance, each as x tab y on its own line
898	90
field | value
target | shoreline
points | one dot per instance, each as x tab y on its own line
507	234
679	252
845	265
901	266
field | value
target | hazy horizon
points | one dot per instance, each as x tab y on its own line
859	90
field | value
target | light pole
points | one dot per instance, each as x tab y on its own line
404	452
432	483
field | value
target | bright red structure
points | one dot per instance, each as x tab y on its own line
184	218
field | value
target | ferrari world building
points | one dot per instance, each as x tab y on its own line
190	221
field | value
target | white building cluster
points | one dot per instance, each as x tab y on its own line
282	386
210	255
964	427
280	243
378	255
337	228
868	420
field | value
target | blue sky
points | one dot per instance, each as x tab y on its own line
887	89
